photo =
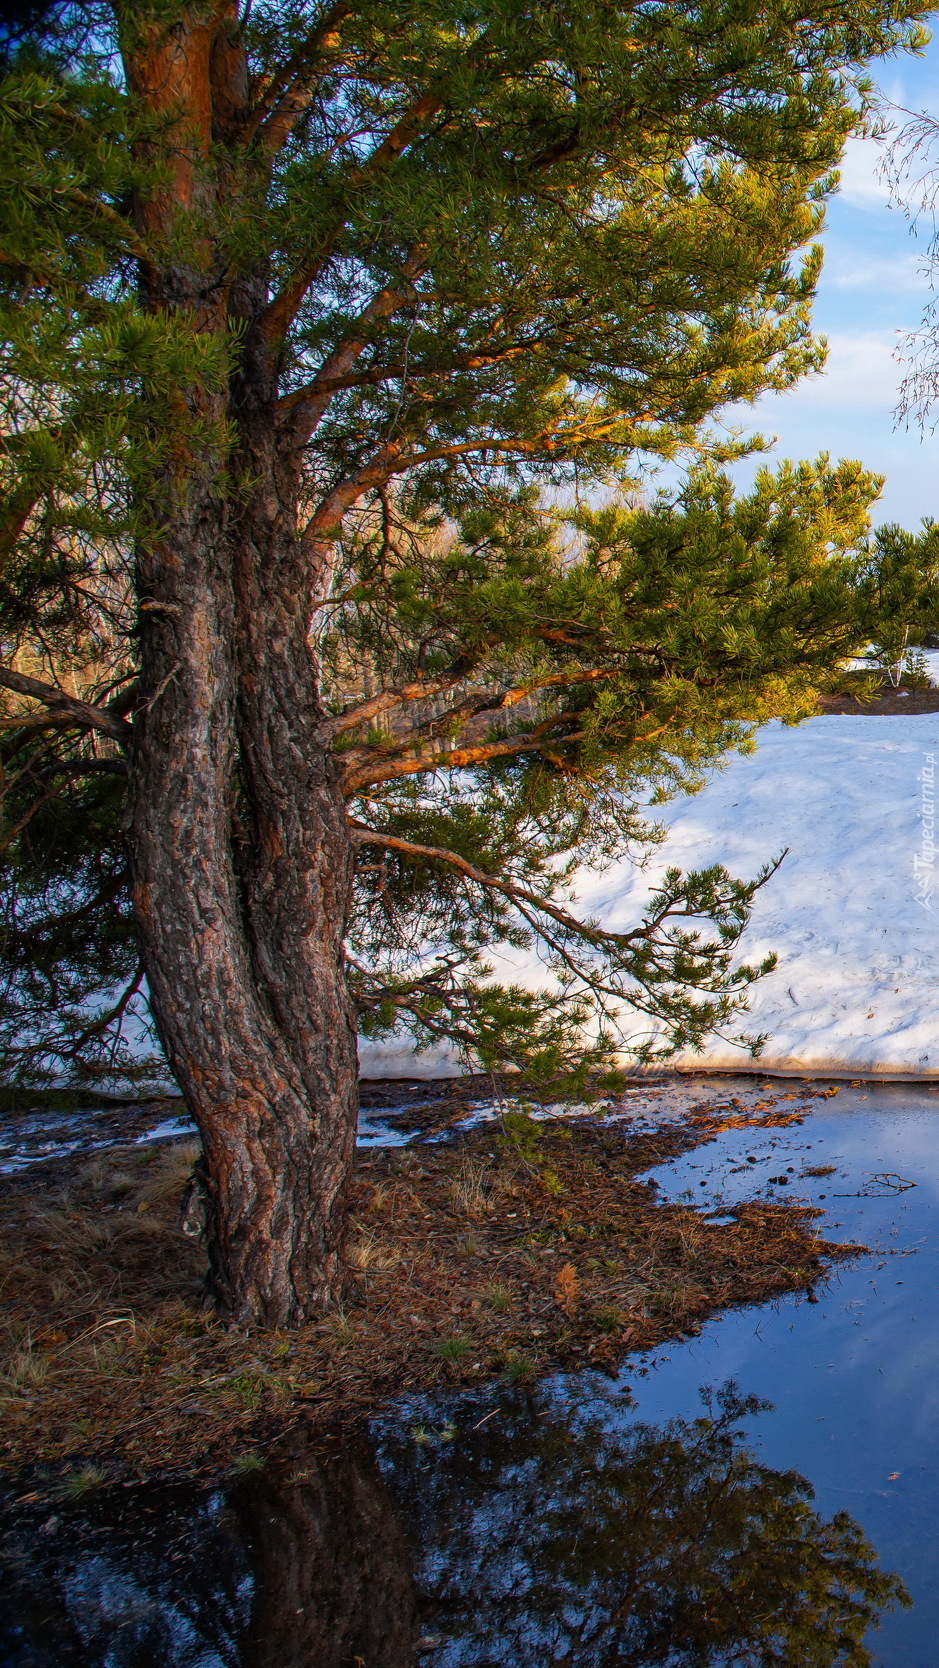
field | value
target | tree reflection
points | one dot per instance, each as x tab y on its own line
553	1538
548	1531
333	1579
303	1565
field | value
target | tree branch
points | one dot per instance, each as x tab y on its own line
274	116
98	1026
306	405
83	767
474	706
284	307
393	459
432	757
493	883
19	510
477	704
135	243
113	887
281	312
63	706
329	380
410	1002
20	504
326	520
420	689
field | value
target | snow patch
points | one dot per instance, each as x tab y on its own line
851	914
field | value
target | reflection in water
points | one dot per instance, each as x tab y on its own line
143	1578
550	1529
304	1567
564	1534
333	1581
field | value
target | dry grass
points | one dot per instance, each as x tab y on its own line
165	1179
463	1264
477	1188
368	1253
498	1296
24	1369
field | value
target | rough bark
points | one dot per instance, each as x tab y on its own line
240	851
245	968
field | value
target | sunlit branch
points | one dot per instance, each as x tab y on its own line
285	306
479	704
305	406
365	774
417	690
394	458
288	95
331	379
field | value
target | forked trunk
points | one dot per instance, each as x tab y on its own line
239	844
242	865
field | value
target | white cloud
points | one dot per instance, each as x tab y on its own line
896	173
861	375
850	412
862	181
887	275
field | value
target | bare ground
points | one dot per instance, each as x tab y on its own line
499	1252
884	702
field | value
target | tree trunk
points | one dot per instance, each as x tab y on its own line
242	937
240	848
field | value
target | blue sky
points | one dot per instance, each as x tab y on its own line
872	290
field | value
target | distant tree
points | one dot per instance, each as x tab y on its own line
910	164
333	336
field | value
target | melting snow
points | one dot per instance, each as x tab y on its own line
853	914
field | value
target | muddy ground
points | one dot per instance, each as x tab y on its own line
505	1249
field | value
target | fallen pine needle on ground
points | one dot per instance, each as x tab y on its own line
506	1251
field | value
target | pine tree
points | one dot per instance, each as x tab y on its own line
334	337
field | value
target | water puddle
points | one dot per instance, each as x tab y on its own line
584	1520
392	1114
41	1137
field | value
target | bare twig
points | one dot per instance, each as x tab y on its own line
62	705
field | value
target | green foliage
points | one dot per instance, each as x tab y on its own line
477	265
79	1484
642	643
89	382
453	1350
899	587
521	1135
66	932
